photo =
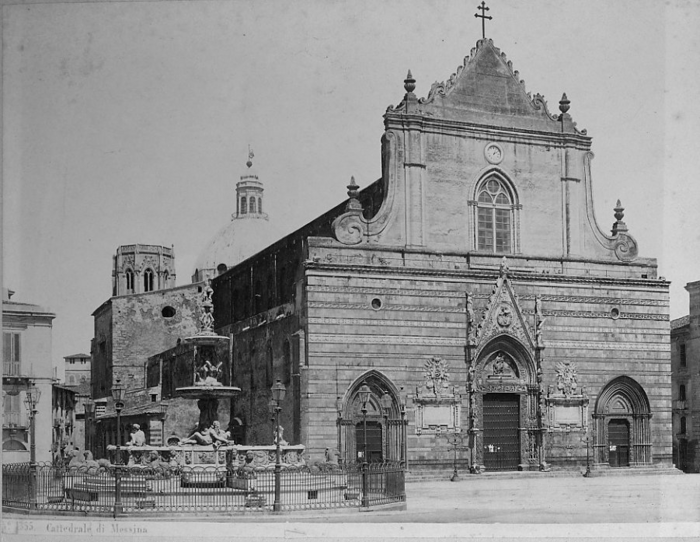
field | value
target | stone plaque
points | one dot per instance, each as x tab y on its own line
436	418
567	415
437	415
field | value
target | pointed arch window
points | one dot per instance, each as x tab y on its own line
129	281
148	280
495	221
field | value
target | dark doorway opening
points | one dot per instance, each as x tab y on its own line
619	443
683	455
501	435
374	441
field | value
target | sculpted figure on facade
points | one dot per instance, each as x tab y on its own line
436	375
567	378
539	322
471	323
499	365
505	315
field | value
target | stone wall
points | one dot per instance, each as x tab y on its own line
140	330
393	320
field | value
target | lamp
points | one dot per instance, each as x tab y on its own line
278	393
402	404
271	407
386	403
364	392
89	407
31	400
118	394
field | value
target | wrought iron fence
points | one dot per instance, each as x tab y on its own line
135	490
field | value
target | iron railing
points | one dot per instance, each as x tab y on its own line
196	490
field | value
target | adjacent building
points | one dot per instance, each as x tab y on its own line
26	337
685	356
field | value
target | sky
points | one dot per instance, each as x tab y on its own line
129	122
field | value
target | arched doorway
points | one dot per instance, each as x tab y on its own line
385	434
504	400
622	424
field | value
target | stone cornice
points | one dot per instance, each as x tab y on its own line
327	242
419	121
486	275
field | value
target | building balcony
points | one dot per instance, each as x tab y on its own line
15	420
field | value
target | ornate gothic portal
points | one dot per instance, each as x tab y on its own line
385	421
507	410
621	424
504	400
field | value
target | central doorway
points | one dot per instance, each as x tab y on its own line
374	441
619	443
501	435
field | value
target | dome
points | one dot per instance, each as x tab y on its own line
248	232
240	239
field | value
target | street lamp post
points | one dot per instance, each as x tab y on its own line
456	440
364	393
587	440
31	399
339	421
89	413
278	392
404	460
118	394
386	407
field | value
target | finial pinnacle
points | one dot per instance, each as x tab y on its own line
564	104
409	83
503	270
619	214
249	163
619	225
353	191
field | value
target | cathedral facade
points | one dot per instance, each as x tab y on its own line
471	289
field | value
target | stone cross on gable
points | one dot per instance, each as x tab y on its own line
483	18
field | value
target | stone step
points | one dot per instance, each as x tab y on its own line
635	471
443	475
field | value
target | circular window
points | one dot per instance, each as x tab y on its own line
376	303
615	313
168	312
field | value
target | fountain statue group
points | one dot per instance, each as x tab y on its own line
212	435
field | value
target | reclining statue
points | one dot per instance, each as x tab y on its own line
214	436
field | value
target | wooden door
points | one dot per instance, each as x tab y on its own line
619	443
501	435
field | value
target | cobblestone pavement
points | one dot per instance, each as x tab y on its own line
561	508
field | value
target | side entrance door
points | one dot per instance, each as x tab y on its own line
501	435
374	441
619	443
